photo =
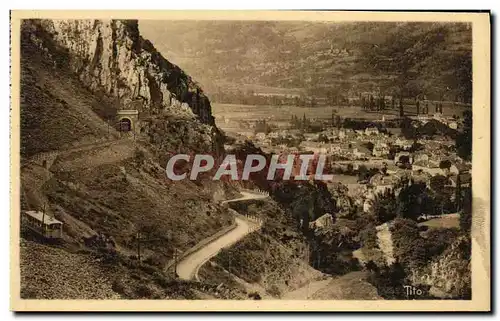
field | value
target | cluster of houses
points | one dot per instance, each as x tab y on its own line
364	194
451	122
387	152
346	143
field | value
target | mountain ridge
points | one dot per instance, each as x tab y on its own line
315	56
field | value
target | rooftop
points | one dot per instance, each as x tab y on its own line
39	216
128	112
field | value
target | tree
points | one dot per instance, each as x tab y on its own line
407	129
372	103
385	206
304	121
445	164
362	173
370	146
463	141
466	213
368	237
411	200
438	182
458	193
409	247
338	121
322	138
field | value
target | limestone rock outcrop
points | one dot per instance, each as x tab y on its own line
111	55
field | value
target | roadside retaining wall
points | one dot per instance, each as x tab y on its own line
200	244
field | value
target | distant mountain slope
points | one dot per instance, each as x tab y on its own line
286	54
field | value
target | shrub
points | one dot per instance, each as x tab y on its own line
274	290
368	237
160	279
406	238
139	156
156	260
255	296
144	291
119	286
439	239
389	281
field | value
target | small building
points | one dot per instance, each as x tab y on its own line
420	157
42	224
358	154
380	150
359	132
453	124
260	136
371	131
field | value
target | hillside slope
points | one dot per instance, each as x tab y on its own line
108	187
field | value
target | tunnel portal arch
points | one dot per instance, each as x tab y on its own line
127	120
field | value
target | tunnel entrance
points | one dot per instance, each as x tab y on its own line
125	125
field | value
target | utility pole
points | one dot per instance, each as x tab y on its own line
175	263
43	220
139	247
140	239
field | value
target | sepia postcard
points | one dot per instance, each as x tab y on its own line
250	161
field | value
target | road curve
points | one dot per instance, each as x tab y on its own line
188	267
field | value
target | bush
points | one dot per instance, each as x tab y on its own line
139	156
255	296
119	287
160	279
439	239
407	241
368	237
156	261
389	281
144	291
274	290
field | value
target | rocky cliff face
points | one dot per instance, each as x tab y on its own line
112	56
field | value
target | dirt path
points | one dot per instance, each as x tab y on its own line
246	196
384	240
306	292
350	286
188	267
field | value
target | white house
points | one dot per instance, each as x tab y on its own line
371	131
260	136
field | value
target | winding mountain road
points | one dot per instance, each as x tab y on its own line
187	268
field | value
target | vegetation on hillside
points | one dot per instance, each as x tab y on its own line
322	59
